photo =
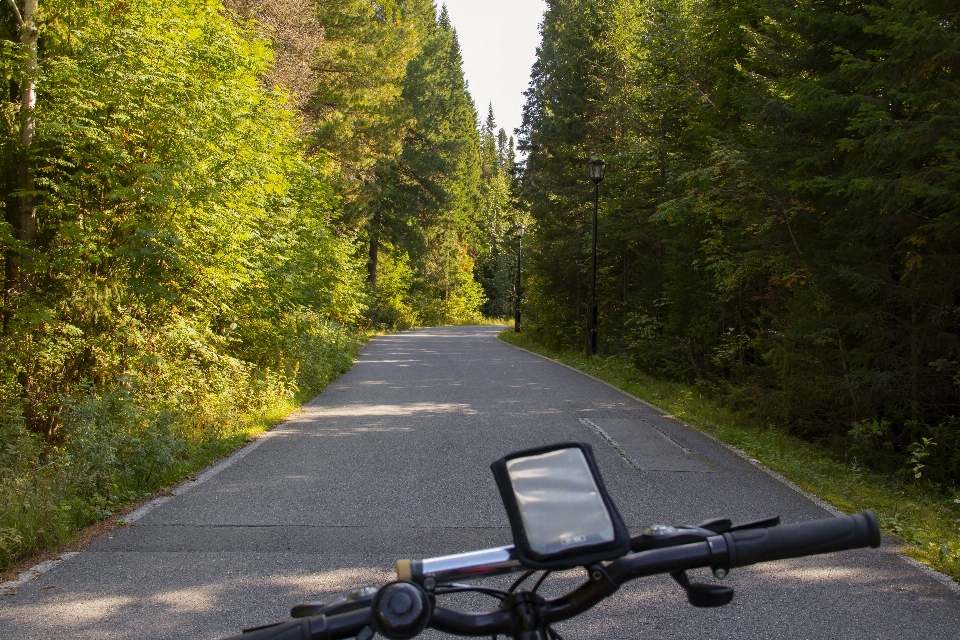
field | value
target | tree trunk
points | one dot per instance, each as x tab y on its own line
10	276
11	209
914	362
28	101
374	249
18	267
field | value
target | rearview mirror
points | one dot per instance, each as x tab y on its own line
559	510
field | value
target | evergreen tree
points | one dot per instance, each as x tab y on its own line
561	131
495	248
489	152
424	210
777	218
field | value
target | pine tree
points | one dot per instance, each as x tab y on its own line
426	196
561	131
495	266
778	218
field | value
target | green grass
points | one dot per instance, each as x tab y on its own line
925	518
46	505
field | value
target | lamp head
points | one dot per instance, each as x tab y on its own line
520	230
596	170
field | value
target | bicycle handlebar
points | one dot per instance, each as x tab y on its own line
295	630
803	539
471	565
313	628
721	551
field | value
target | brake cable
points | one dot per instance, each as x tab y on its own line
445	589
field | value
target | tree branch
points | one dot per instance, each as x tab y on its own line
16	13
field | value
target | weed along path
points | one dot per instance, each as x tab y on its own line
392	461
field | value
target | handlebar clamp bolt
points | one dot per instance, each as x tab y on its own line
719	573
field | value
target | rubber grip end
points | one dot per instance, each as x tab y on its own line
750	546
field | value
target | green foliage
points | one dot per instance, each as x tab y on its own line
198	261
460	300
357	112
393	116
185	284
394	304
778	218
497	247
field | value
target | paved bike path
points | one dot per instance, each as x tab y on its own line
392	460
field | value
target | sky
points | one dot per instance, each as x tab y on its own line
499	40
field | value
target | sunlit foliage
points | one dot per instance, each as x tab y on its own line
184	278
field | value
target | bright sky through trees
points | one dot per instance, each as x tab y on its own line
499	40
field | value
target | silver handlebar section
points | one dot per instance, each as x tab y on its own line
471	565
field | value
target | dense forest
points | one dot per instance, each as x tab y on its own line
780	217
208	204
205	207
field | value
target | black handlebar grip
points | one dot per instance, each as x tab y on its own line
750	546
295	630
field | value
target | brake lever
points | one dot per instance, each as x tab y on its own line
763	523
717	525
722	525
658	536
703	595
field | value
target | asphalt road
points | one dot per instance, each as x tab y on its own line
392	461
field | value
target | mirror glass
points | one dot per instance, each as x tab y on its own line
559	501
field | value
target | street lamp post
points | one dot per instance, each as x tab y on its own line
516	309
596	174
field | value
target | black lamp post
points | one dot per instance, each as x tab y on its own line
516	310
596	174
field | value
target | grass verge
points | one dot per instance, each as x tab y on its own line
44	538
925	518
125	444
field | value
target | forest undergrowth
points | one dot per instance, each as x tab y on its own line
924	515
121	445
